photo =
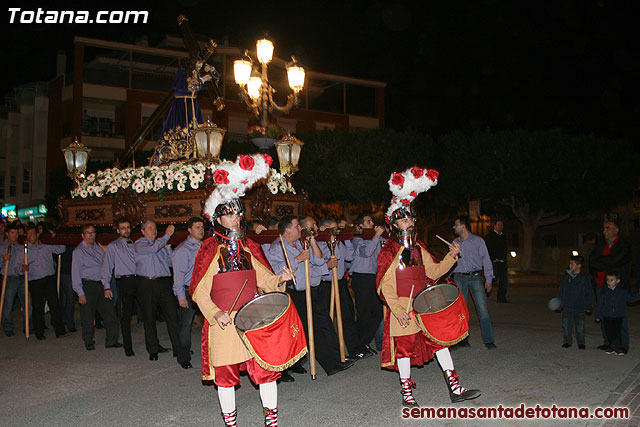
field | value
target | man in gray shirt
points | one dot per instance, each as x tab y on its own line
86	275
474	257
155	287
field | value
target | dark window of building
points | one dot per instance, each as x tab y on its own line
12	184
1	185
26	181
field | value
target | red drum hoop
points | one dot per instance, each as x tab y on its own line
441	313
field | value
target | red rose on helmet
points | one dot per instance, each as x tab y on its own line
246	162
397	179
432	174
221	176
267	159
404	202
417	172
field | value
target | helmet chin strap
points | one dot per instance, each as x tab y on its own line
406	238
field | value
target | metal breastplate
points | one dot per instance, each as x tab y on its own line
410	257
233	257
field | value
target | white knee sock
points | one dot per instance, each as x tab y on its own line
227	398
404	367
444	359
269	395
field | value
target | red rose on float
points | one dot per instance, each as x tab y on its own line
404	202
417	172
432	174
221	176
413	194
245	182
267	159
397	179
246	162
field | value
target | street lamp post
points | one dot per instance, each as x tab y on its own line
207	141
255	89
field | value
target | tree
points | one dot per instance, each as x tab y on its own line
542	176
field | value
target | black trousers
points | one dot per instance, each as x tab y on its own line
127	292
154	294
368	306
45	290
94	292
500	273
326	339
613	331
185	320
351	338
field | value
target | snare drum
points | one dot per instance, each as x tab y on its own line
442	314
271	330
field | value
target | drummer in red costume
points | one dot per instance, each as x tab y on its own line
222	265
404	262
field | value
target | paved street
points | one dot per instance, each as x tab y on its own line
58	383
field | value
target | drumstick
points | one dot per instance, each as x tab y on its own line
446	243
286	257
237	296
410	296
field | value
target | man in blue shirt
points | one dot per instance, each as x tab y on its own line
42	282
86	276
363	281
326	339
15	281
119	261
183	258
474	257
154	288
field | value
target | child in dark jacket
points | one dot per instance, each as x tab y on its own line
576	296
612	308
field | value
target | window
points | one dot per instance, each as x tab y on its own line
12	184
1	185
26	181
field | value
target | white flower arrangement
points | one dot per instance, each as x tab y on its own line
146	179
278	182
178	176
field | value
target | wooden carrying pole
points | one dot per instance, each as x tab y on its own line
4	283
312	344
335	290
26	294
58	280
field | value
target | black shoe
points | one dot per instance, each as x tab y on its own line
41	337
370	349
114	345
129	352
490	346
90	346
63	334
186	365
504	301
604	347
581	347
464	343
298	369
565	345
286	377
363	354
153	356
340	366
624	350
73	330
9	333
191	352
162	349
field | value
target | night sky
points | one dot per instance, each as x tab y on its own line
449	65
